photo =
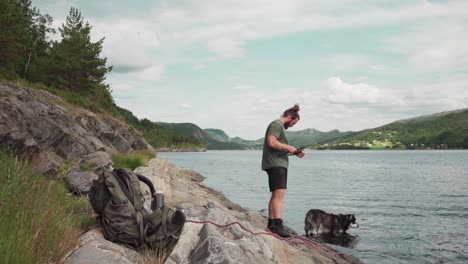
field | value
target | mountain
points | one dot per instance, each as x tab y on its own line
440	130
444	130
217	134
313	136
220	135
209	138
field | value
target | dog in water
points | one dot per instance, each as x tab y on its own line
319	222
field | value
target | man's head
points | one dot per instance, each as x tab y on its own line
291	116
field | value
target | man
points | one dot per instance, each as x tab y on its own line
275	162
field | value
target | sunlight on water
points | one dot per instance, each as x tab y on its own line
412	206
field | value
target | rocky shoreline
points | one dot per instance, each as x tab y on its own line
205	242
57	138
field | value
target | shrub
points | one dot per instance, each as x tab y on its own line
39	221
132	160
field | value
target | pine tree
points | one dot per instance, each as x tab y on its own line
23	36
14	33
76	61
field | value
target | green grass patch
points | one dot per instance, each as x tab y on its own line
86	166
39	220
132	160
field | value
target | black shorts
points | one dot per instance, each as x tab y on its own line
277	178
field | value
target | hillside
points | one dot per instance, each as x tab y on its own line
445	130
208	140
313	136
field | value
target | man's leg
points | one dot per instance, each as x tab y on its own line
275	211
275	207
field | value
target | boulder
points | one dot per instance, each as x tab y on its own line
80	182
98	159
93	248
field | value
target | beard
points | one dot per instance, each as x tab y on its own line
287	125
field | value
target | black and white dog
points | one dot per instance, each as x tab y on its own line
319	222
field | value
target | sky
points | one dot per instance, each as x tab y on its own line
237	65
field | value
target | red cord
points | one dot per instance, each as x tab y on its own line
303	241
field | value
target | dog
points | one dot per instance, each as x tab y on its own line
319	222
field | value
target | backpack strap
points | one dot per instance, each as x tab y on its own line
132	196
138	205
115	189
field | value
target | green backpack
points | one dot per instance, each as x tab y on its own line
117	199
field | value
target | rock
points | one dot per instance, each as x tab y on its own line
48	130
98	159
93	248
185	206
206	243
47	162
80	182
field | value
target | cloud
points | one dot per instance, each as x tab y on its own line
128	43
185	106
226	47
224	26
362	94
435	45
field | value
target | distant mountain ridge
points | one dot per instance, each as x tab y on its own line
440	130
213	139
444	130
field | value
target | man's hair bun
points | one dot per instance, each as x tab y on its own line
295	108
293	111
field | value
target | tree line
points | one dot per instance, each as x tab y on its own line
71	67
73	63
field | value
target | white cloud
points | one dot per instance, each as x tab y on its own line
128	42
153	73
223	26
436	45
226	47
185	106
341	92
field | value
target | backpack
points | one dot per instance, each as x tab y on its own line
117	199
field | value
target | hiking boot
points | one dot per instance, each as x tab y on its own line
278	228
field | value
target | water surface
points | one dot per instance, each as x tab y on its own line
412	206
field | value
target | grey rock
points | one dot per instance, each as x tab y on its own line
98	159
43	127
185	206
93	248
80	182
206	243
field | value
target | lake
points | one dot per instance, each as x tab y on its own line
412	206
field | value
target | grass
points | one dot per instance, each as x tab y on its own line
39	221
156	256
86	166
132	160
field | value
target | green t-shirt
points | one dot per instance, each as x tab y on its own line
272	157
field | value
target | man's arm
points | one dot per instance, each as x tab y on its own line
273	143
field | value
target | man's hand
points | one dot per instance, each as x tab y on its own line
300	154
291	150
